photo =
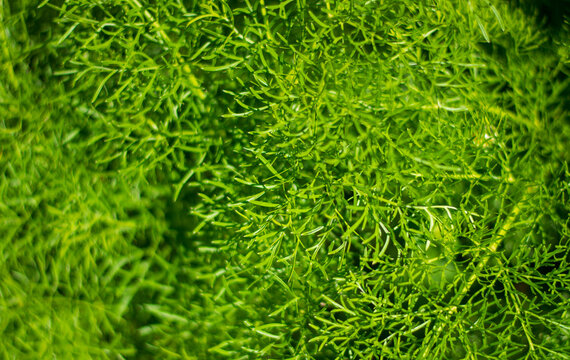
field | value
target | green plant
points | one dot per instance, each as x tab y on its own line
283	180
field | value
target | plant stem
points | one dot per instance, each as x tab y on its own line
487	253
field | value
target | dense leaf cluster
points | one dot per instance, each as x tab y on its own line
283	180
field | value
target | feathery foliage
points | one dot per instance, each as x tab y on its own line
283	180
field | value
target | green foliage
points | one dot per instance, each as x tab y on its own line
283	180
